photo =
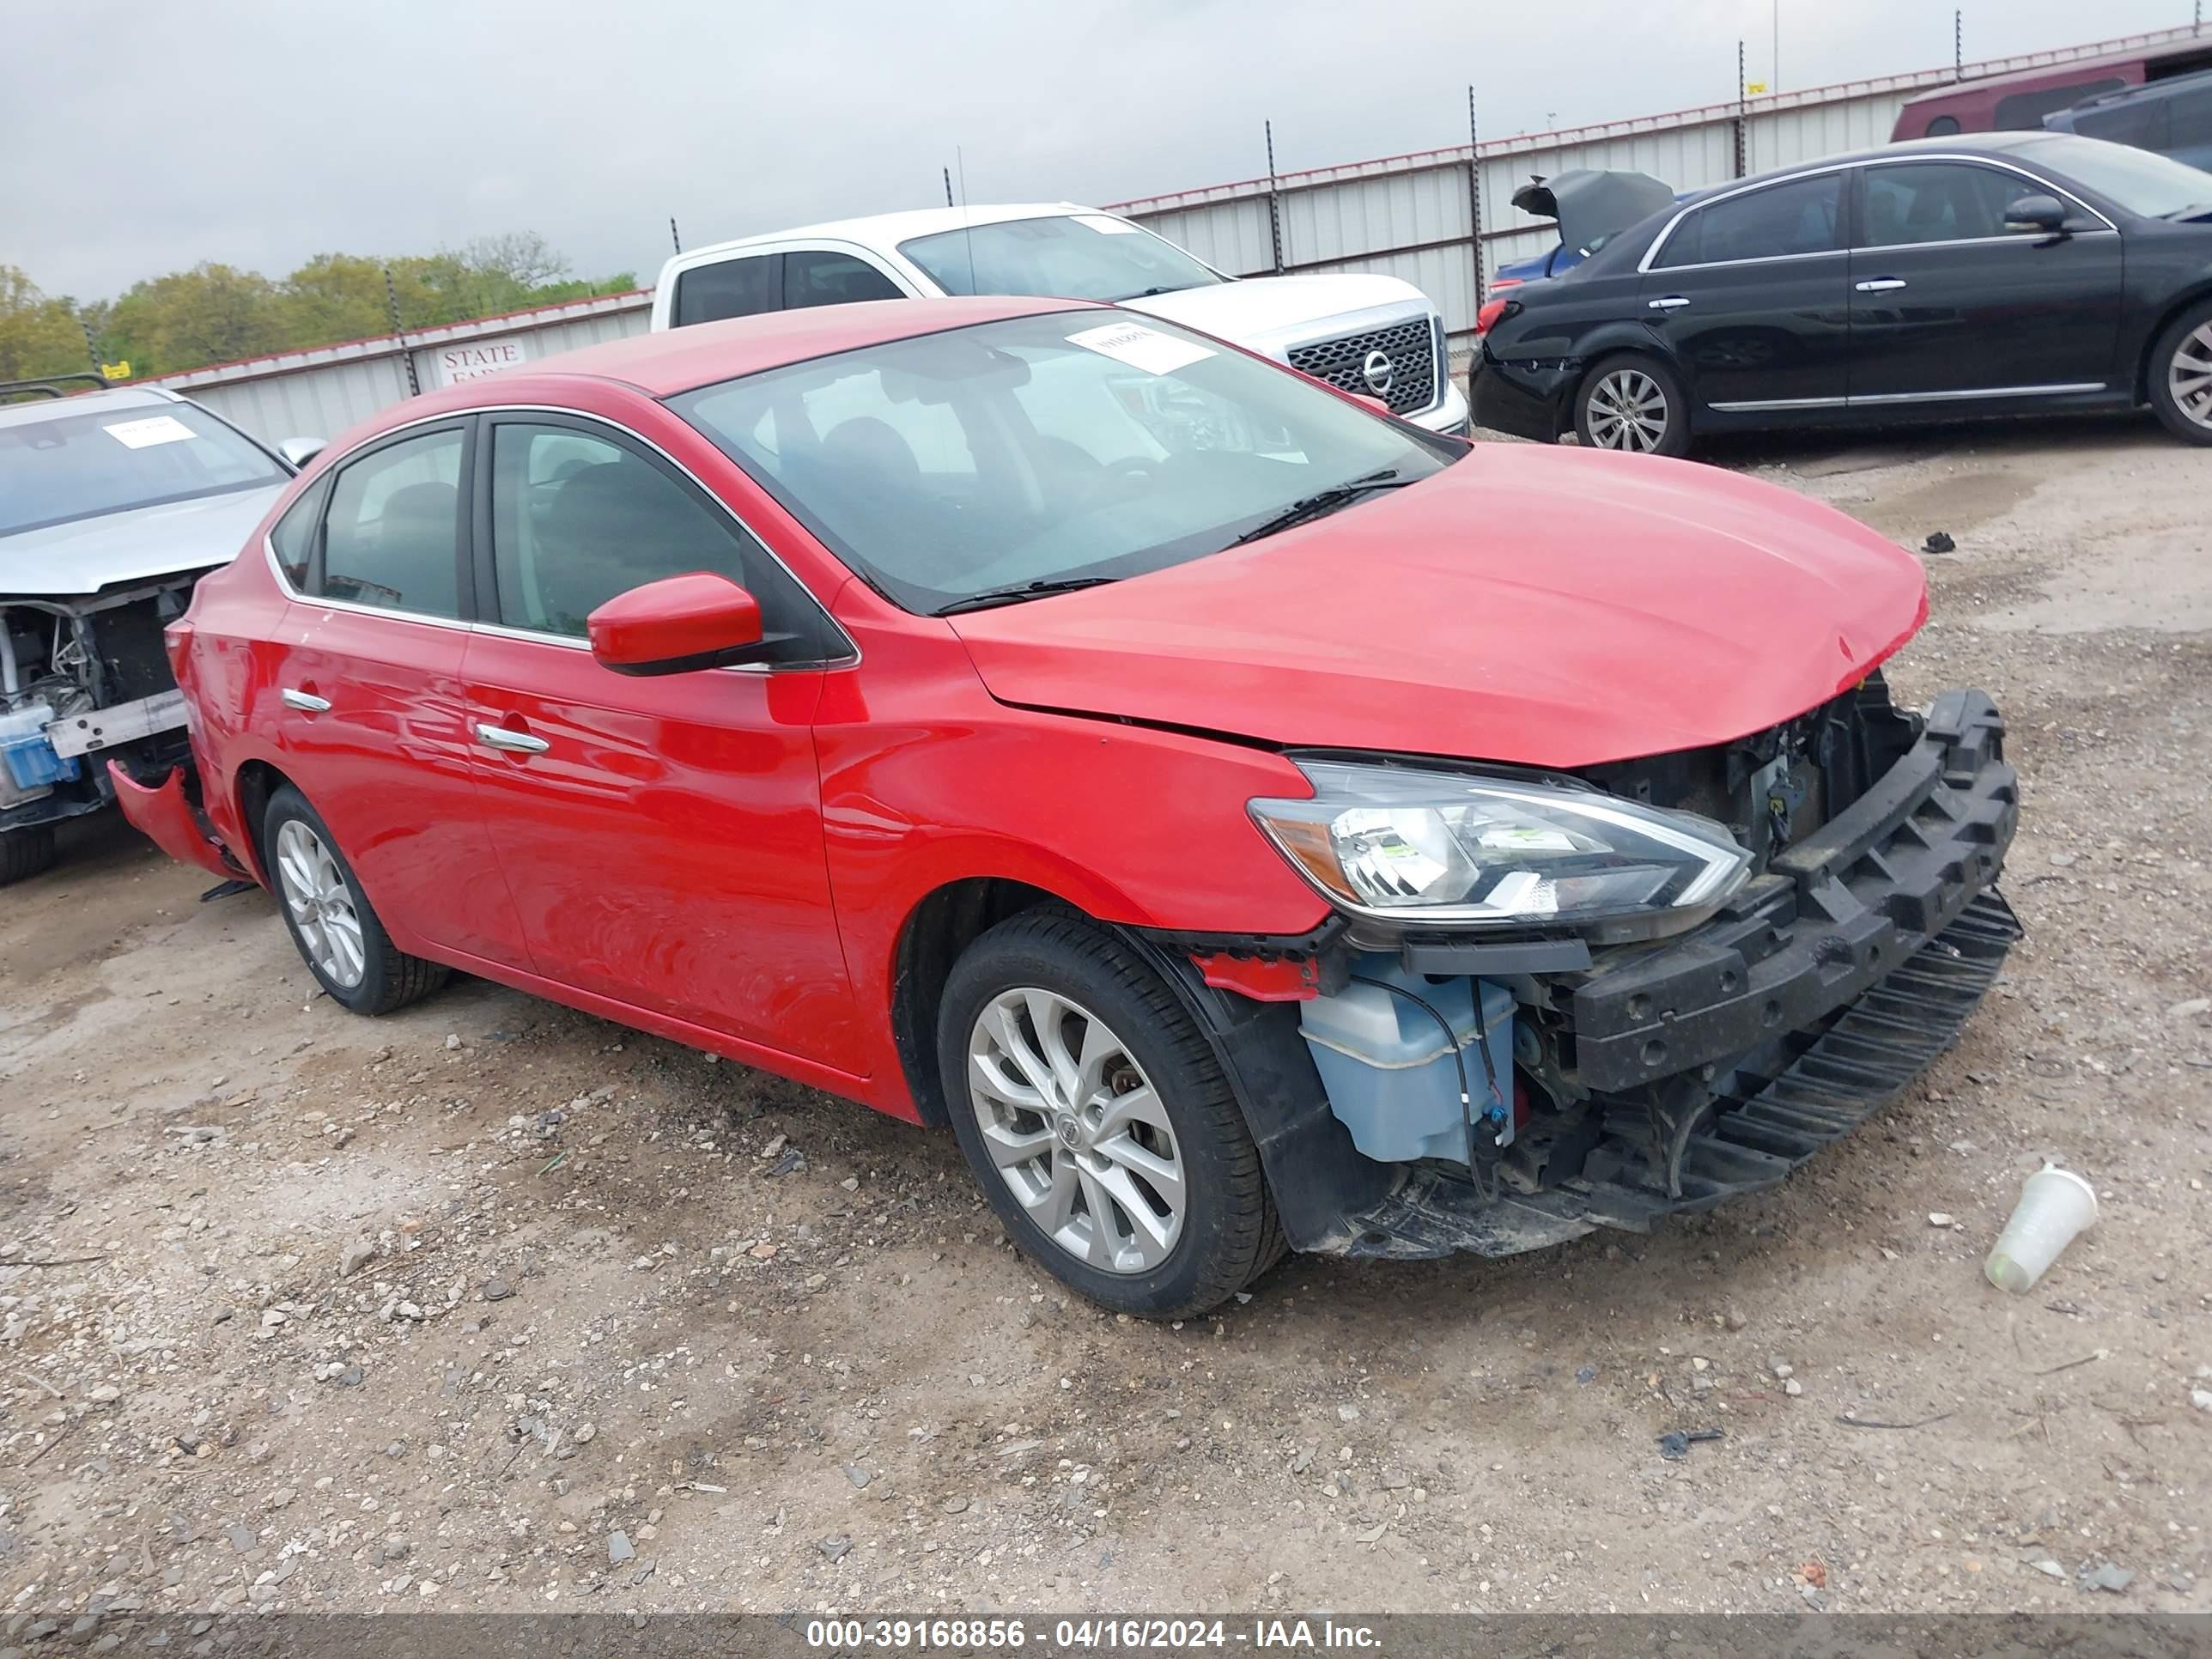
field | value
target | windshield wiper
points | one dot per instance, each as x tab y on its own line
1016	594
2194	210
1325	500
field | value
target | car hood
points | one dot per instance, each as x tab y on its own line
88	555
1271	314
1535	606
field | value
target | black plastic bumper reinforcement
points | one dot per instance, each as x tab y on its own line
1859	1064
1833	913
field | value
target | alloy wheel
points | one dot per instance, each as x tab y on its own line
1628	411
2189	376
321	904
1076	1131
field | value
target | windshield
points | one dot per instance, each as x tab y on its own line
110	460
1081	445
1069	256
2136	180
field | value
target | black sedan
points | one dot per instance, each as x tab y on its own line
2005	274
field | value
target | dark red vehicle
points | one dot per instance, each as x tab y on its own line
1250	822
2018	102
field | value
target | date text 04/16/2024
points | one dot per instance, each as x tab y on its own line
1085	1635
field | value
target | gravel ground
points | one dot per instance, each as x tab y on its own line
491	1306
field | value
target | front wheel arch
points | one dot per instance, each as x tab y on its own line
2195	296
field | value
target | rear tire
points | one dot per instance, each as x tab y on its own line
2181	375
1635	403
26	853
1129	1174
329	918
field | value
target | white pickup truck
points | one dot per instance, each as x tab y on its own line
1377	336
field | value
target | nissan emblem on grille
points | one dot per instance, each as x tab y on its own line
1397	364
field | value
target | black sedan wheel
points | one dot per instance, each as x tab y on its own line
2181	375
1633	403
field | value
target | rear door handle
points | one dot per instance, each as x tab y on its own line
515	742
306	699
1672	303
1881	285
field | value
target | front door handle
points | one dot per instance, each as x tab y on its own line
1671	302
1881	285
515	742
304	700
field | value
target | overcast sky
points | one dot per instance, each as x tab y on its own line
145	135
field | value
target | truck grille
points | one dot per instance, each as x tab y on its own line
1342	363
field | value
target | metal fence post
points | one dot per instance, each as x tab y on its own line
1743	117
406	356
1274	203
1475	198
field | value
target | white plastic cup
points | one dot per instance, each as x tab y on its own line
2054	1206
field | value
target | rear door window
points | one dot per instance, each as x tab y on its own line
1802	215
822	276
730	288
393	538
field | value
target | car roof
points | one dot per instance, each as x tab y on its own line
886	230
681	359
33	410
1996	145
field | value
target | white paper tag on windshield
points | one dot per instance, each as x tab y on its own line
154	430
1141	347
1105	225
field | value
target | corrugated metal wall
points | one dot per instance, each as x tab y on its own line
320	393
1406	216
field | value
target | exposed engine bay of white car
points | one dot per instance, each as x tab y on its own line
81	675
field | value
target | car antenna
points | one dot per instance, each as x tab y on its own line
967	224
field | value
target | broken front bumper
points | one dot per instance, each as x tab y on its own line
1711	1064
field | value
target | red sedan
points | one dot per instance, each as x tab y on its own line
1250	822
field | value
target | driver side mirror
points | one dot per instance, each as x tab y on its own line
2037	215
300	451
676	625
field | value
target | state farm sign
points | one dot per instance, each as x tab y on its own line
478	358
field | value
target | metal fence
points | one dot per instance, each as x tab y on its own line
1415	215
321	392
1429	217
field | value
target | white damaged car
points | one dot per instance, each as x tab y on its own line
113	504
1373	336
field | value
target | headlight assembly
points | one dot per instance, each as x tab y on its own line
1440	848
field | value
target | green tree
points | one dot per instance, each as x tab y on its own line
334	297
37	336
211	313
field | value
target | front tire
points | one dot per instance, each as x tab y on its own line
1098	1122
26	853
329	918
2181	375
1634	403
